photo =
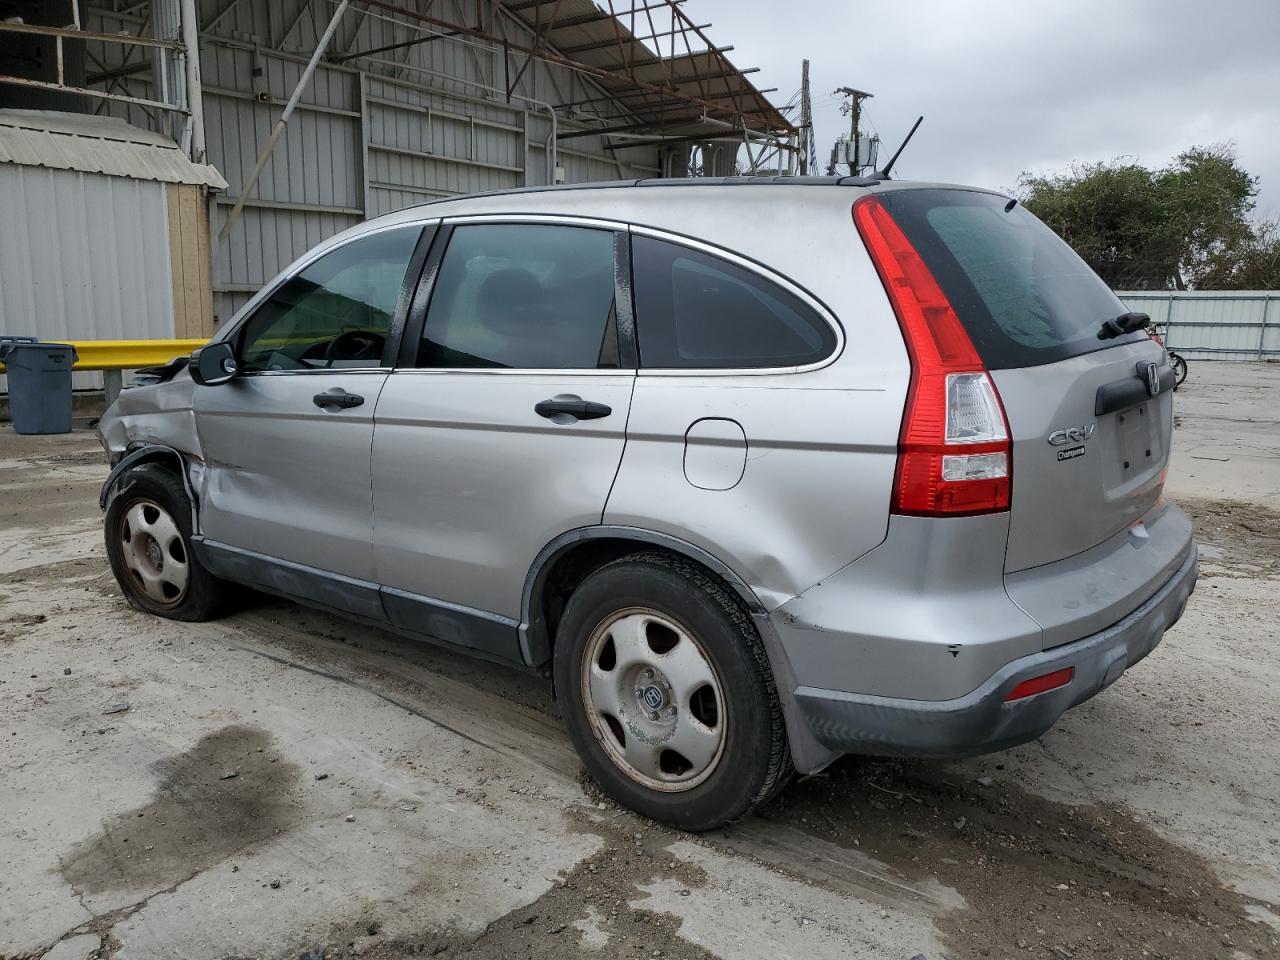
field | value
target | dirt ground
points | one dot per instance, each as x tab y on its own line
283	784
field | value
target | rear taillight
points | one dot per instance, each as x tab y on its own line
954	454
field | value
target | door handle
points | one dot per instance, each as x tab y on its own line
337	399
566	407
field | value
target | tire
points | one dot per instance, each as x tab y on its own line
1179	370
655	656
148	535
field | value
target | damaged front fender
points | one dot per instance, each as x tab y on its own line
151	453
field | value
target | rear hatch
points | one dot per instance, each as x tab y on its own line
1089	438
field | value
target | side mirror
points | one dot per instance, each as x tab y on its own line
214	363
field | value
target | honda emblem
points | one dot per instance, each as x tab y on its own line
1153	379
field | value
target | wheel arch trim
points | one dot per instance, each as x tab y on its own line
807	753
535	646
146	454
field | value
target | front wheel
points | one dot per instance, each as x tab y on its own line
1179	370
668	695
148	537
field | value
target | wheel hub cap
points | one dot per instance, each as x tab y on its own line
654	699
154	553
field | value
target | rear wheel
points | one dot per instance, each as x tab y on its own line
148	537
1179	370
667	693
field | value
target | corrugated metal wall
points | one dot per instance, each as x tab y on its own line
83	257
415	124
1226	325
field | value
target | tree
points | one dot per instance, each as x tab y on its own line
1253	264
1172	228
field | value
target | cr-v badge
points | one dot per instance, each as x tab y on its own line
1071	435
1076	435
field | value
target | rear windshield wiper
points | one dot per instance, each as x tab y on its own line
1125	323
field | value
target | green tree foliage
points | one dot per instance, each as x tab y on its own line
1253	264
1186	225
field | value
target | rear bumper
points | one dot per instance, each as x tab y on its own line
981	721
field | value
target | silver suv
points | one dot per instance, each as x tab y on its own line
758	472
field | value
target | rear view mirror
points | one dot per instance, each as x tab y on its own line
214	363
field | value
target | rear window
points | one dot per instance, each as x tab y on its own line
694	310
1022	293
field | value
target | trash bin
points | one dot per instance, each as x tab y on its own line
39	384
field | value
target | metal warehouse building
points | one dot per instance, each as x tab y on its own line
105	233
407	102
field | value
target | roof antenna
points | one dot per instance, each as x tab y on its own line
883	174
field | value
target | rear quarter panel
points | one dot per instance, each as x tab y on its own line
820	444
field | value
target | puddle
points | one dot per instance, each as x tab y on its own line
196	817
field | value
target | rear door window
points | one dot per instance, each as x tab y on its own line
698	311
1024	296
523	296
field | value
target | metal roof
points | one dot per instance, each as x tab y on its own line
92	144
682	85
647	56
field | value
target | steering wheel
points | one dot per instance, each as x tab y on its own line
355	345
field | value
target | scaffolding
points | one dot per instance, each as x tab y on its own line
61	35
656	78
177	71
648	58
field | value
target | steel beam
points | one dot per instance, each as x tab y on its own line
582	18
118	73
281	123
72	34
601	44
224	201
86	92
395	46
195	91
217	17
651	61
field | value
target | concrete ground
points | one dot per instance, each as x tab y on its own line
284	784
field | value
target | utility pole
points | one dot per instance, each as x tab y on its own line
853	106
807	159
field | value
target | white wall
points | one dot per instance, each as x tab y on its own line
83	257
1215	325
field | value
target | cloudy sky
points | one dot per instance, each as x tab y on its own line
1013	85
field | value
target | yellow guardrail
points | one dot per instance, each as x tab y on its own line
127	354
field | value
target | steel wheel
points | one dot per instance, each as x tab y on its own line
654	699
154	552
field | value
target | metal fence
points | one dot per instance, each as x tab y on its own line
1236	325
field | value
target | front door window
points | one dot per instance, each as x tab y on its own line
335	313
